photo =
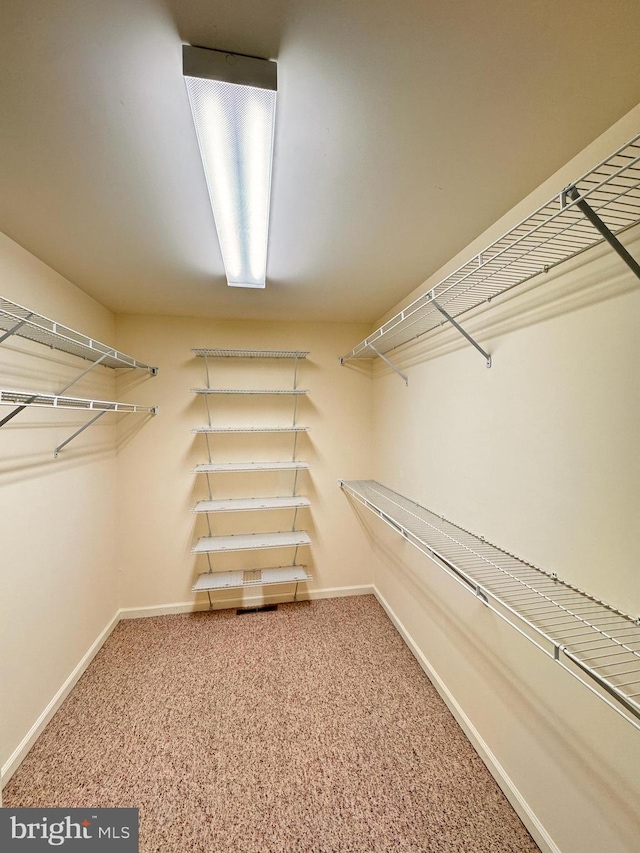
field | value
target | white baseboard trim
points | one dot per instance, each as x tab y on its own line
18	755
252	600
511	792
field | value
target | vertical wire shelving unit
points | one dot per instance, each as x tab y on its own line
215	579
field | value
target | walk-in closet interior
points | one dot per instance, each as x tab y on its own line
430	405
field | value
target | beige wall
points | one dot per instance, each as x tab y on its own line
540	455
57	583
156	489
107	526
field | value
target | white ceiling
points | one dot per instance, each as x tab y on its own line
403	131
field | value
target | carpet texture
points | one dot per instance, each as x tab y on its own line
307	729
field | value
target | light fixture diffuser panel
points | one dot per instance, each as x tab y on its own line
235	125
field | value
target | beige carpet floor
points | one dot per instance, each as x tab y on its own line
311	729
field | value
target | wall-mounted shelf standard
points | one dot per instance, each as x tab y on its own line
21	322
601	204
597	644
215	578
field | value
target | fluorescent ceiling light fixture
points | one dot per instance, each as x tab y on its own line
233	101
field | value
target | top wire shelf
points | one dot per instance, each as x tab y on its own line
593	641
20	321
557	231
249	353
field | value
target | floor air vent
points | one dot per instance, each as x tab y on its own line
261	608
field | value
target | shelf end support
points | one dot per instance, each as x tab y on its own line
392	366
56	452
572	193
15	328
462	331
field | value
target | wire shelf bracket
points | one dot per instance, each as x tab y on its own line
463	332
390	364
593	641
572	193
603	203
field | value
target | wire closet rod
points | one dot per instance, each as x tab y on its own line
596	643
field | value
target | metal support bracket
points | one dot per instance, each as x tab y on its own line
17	411
462	331
15	328
387	362
84	373
572	193
78	431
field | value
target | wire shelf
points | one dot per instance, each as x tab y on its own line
249	391
35	327
230	429
554	233
53	401
245	504
251	577
593	641
251	541
237	467
248	353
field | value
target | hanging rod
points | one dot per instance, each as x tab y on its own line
596	643
20	321
557	231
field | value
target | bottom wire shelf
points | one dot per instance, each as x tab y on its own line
251	577
597	644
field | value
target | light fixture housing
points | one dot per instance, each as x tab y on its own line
233	101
